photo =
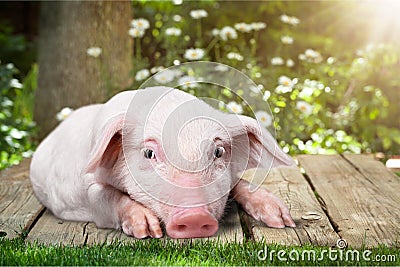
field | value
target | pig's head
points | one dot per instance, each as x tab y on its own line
180	157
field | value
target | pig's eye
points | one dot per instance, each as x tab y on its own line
149	154
219	151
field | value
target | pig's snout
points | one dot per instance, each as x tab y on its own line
192	222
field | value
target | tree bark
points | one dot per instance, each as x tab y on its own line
68	76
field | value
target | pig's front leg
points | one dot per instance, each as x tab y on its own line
263	206
113	209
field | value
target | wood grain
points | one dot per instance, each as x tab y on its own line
230	229
105	236
359	194
16	173
18	205
290	185
51	230
365	209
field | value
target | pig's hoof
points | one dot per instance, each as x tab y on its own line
266	207
140	222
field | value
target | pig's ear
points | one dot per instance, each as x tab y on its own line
261	147
106	144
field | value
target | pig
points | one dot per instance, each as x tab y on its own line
156	158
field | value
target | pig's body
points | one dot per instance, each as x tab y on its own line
58	166
83	170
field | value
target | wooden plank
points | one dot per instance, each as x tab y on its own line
51	230
16	173
18	205
364	210
105	236
290	185
377	173
230	229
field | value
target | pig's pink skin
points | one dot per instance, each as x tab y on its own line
80	170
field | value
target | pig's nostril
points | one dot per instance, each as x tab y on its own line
182	227
206	227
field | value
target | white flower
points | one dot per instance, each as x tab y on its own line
64	113
311	55
264	118
289	63
10	66
134	32
286	81
306	92
234	55
215	32
234	107
221	68
198	14
243	27
277	61
267	95
285	85
289	20
331	60
194	54
140	24
187	82
293	21
94	51
142	74
177	2
304	107
177	18
173	31
15	84
258	26
282	89
165	76
256	89
17	134
156	69
287	39
228	33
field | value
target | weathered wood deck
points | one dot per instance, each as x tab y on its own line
352	197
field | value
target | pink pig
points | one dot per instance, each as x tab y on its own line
156	155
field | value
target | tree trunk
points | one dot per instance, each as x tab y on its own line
68	76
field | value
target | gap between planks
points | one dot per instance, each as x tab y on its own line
289	184
361	197
18	206
21	213
359	193
51	230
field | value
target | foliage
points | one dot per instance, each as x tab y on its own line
16	48
171	253
325	95
16	125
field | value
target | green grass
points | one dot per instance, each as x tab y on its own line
164	252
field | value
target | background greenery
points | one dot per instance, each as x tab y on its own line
16	97
343	95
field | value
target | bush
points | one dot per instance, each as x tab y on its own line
16	126
325	96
